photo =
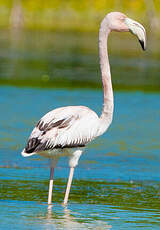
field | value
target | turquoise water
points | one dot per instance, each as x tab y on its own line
116	184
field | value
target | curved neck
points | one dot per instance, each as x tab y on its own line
107	111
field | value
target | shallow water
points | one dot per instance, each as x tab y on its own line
116	184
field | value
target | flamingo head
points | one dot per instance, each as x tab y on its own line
121	23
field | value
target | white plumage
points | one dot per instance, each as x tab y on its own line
67	130
66	127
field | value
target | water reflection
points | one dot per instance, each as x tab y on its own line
70	220
31	215
117	180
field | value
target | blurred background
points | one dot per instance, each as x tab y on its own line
48	59
54	43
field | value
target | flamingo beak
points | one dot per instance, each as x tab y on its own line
138	30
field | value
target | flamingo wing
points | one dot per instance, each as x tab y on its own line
66	127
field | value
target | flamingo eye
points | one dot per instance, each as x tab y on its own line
122	18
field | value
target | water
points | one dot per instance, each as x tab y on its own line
116	184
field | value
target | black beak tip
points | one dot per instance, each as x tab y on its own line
142	44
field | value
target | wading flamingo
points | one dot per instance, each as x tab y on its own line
67	130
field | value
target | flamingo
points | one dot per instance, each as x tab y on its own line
67	130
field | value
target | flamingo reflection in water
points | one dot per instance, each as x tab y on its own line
69	219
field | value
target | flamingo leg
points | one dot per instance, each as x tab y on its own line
50	186
68	185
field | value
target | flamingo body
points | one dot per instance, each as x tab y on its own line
62	129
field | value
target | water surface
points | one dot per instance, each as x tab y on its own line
116	184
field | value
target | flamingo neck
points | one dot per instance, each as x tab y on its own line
107	111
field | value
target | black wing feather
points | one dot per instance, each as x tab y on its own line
32	145
48	126
35	144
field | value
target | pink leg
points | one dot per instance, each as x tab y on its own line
50	186
68	185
